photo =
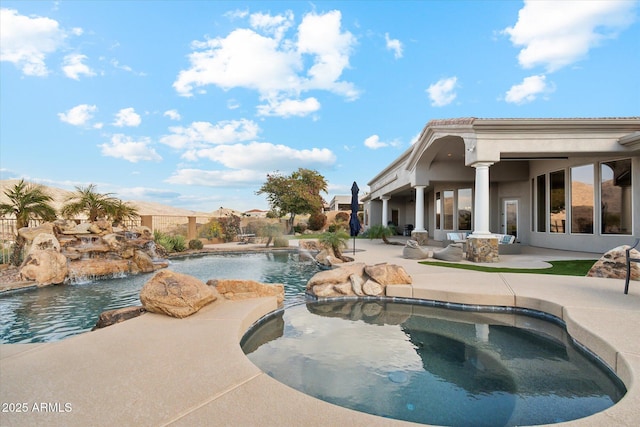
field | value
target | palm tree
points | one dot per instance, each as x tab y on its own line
123	211
380	231
336	241
26	201
87	200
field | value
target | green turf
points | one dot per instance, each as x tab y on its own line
578	267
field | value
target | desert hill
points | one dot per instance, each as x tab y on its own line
144	208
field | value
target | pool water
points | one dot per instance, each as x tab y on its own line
432	365
56	312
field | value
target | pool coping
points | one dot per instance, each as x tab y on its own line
156	370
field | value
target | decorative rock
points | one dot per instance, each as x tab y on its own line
323	290
344	288
372	288
388	274
45	267
175	294
613	264
242	289
144	262
356	284
143	232
44	241
111	317
30	233
336	275
309	245
328	257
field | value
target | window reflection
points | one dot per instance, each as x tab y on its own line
582	185
558	216
464	209
438	210
448	210
615	195
541	198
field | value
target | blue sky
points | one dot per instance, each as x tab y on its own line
192	103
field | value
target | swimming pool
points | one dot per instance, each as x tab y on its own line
432	365
57	312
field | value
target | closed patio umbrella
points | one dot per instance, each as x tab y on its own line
354	223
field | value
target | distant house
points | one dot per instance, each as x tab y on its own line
342	203
571	184
256	213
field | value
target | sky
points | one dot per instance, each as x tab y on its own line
192	103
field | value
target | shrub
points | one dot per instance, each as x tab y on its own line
210	230
280	242
170	243
195	244
342	217
317	221
300	227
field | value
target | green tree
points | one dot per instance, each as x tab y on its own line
94	204
26	202
335	240
123	211
295	194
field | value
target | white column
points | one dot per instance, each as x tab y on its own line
481	209
420	208
385	210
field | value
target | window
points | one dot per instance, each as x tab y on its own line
541	198
448	210
558	214
464	209
615	195
438	210
582	199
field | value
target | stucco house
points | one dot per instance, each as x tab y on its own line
571	184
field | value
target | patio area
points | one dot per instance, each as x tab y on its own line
157	370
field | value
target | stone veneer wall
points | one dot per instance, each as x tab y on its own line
422	237
482	249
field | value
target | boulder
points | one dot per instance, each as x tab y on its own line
111	317
372	288
45	267
336	275
234	289
30	233
309	245
44	241
613	264
328	257
144	262
175	294
388	274
356	284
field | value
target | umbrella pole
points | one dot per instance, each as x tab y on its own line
354	245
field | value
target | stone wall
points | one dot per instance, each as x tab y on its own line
482	249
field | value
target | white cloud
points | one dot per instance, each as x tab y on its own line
276	25
80	115
374	142
264	60
322	37
127	117
201	134
73	66
123	147
442	92
527	91
172	114
26	41
289	107
264	156
394	45
216	178
557	33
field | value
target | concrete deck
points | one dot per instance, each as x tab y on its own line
156	371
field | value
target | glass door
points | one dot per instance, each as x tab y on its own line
510	217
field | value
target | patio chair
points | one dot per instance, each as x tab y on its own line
629	261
